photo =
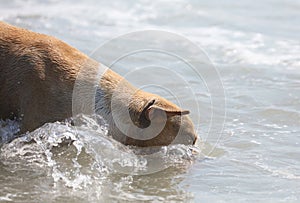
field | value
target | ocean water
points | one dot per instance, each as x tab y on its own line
245	103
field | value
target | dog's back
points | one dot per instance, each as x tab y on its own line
35	70
37	77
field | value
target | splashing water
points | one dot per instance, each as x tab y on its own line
83	157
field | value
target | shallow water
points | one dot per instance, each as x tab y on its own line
255	48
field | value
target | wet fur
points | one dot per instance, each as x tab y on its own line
37	77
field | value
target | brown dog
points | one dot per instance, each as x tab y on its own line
37	78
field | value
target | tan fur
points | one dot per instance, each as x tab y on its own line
37	77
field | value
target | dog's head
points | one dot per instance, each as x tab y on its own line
155	121
140	118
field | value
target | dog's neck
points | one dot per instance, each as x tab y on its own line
113	95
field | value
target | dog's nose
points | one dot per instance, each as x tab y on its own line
190	138
186	138
193	137
195	140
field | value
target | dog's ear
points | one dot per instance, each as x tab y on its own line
153	112
156	112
